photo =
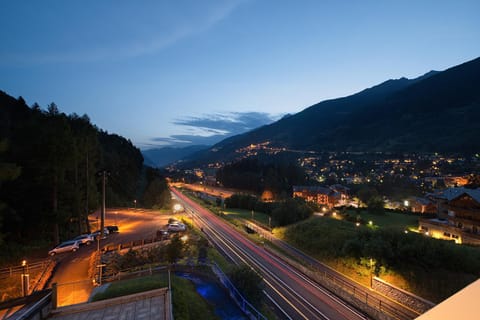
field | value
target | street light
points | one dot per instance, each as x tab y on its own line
135	203
371	273
253	213
99	235
25	279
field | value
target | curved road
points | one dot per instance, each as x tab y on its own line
73	275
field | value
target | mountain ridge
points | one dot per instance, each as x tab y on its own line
396	115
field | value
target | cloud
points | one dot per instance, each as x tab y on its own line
107	31
235	122
211	128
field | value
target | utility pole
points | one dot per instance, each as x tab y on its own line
86	193
102	221
104	174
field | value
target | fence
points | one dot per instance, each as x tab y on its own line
358	295
132	244
34	307
32	267
246	307
73	292
11	279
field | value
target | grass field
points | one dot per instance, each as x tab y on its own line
187	303
394	220
131	286
258	217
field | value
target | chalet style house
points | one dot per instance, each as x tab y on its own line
330	197
458	216
423	205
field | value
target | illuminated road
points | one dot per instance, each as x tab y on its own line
375	299
296	296
74	271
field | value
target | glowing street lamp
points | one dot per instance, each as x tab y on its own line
25	279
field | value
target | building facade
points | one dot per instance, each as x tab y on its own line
458	216
324	196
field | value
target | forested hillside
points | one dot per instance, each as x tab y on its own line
49	173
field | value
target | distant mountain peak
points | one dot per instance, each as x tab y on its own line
434	112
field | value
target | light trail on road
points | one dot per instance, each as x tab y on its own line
295	295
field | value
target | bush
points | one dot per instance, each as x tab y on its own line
291	211
248	282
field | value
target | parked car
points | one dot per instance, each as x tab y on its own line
84	239
112	229
66	246
173	220
176	227
96	233
162	234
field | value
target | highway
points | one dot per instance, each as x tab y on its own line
374	299
295	295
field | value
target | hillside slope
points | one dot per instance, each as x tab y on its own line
435	112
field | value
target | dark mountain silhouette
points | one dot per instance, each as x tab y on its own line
435	112
160	157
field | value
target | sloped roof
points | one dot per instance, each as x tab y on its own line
313	189
422	201
453	193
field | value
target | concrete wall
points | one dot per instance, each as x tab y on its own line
406	298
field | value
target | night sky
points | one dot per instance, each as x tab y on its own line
169	72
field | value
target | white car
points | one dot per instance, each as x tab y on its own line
176	227
66	246
84	239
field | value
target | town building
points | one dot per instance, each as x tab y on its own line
325	196
422	205
458	216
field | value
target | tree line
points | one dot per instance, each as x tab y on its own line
257	176
283	212
50	173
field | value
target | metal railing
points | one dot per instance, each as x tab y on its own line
337	283
239	299
37	266
33	307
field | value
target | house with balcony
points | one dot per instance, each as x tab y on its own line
458	216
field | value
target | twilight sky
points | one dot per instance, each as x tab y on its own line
162	72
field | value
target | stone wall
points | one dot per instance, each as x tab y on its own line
406	298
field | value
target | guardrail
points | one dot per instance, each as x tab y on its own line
362	297
34	307
131	244
239	299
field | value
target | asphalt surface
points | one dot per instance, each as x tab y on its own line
74	275
295	296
